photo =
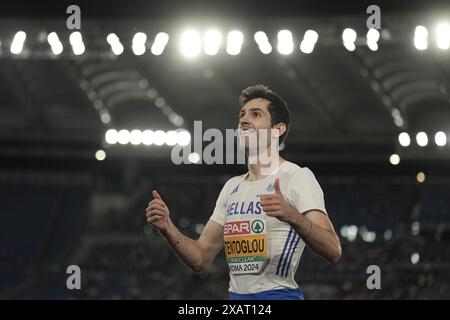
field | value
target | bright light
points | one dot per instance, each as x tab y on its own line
160	43
263	42
234	42
309	41
211	42
140	38
136	137
52	38
190	43
443	36
138	44
349	35
420	177
373	35
105	117
350	46
117	49
349	38
111	136
415	257
285	42
160	102
171	138
352	232
100	155
184	138
344	231
114	42
18	42
176	119
372	46
57	48
260	37
440	138
421	38
159	137
387	235
369	236
147	137
398	121
76	41
194	157
111	38
124	137
404	139
422	139
415	228
55	43
394	159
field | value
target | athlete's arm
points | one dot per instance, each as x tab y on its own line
317	231
313	226
196	254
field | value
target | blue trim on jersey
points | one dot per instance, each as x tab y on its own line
290	258
284	250
288	253
279	294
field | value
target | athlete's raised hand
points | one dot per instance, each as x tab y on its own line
157	213
275	205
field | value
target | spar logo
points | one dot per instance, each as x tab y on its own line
237	228
257	226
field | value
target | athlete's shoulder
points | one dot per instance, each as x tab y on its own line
290	168
233	183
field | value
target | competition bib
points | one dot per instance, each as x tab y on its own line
245	244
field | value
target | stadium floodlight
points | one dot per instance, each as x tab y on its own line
111	136
76	41
114	41
160	43
184	138
235	40
136	137
138	43
159	137
55	43
443	36
100	155
394	159
309	41
404	139
147	137
285	42
373	35
440	138
421	38
422	139
190	43
18	42
124	136
263	43
211	42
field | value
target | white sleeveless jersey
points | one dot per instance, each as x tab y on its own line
263	252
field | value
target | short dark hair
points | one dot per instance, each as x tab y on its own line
278	109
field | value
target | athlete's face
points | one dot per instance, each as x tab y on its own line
255	119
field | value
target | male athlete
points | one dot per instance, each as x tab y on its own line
263	221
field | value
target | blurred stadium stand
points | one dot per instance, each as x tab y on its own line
102	229
60	206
